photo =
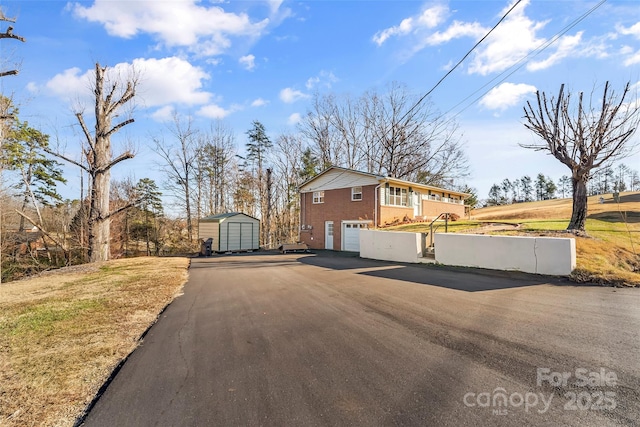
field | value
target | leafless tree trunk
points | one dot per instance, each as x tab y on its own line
583	137
100	160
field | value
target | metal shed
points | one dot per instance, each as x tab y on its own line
230	232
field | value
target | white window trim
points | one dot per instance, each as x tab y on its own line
318	200
403	191
353	193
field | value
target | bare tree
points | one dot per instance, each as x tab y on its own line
317	128
390	134
8	34
180	164
584	137
99	157
5	112
288	163
216	156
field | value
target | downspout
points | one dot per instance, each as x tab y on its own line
375	207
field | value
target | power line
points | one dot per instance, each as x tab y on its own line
518	65
459	62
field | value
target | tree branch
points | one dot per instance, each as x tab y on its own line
66	159
120	125
124	156
8	73
85	130
9	35
120	209
39	227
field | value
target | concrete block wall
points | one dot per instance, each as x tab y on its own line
390	245
540	255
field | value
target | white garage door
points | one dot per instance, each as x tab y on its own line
351	236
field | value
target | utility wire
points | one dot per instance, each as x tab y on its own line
518	65
459	62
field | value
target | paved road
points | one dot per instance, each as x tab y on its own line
305	340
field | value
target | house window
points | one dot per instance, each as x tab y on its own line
356	194
397	196
318	197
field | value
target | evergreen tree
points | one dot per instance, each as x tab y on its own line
150	203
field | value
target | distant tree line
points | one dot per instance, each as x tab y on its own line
605	180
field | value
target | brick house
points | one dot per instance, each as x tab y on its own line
337	202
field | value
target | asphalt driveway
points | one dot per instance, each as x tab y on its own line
305	340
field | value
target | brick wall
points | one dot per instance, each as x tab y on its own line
389	214
430	210
337	207
433	208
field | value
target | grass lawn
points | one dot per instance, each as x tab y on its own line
62	334
610	253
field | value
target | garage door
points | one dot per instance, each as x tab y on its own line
351	236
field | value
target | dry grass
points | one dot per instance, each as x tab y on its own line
561	208
609	255
61	334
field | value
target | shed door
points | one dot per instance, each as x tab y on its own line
246	236
233	236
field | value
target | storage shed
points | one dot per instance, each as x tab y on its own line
230	232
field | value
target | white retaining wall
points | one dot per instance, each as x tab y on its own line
390	245
541	255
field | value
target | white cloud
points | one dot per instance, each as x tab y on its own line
161	81
632	59
204	29
289	96
626	50
70	83
163	114
294	119
429	18
324	79
213	111
566	46
32	87
171	80
259	102
248	61
633	30
506	95
457	30
511	41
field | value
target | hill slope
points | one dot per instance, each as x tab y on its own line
610	253
561	209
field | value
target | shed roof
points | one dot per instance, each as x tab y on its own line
222	216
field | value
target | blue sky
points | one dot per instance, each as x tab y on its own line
243	60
